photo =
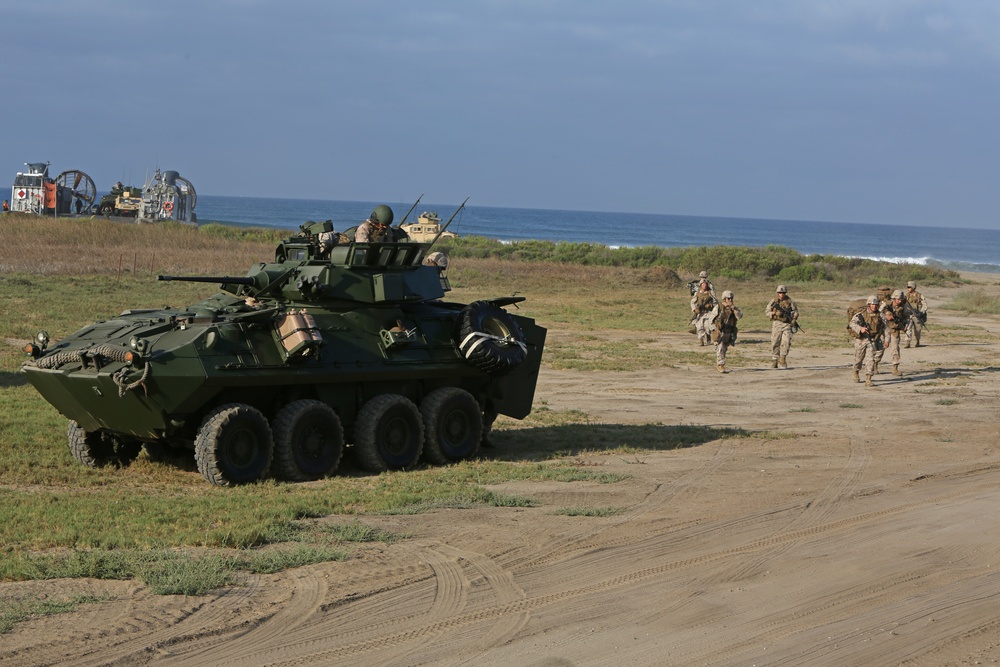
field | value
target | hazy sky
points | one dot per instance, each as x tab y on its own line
882	111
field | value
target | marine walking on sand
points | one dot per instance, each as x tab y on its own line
724	324
784	315
919	306
702	304
897	315
870	329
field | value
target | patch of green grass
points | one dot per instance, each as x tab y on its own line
974	301
356	531
851	406
805	409
589	511
946	401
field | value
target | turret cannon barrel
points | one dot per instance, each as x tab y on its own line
224	280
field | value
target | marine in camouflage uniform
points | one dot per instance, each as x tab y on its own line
376	228
724	319
897	314
919	307
870	327
702	304
703	278
783	313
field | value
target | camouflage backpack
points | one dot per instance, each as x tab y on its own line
853	309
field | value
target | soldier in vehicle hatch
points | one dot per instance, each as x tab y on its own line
784	314
376	228
702	304
870	327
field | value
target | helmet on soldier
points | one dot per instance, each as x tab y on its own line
910	284
438	259
703	274
382	215
872	300
727	295
898	294
782	289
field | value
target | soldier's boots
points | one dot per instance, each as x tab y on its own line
868	381
857	376
907	345
875	369
895	370
774	363
702	340
721	368
784	363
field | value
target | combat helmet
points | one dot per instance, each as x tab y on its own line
727	294
382	214
437	259
910	283
782	289
703	274
871	300
898	294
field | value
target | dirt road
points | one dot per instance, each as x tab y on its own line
854	527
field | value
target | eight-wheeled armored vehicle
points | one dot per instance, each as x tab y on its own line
321	346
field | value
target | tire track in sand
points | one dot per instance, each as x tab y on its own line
136	639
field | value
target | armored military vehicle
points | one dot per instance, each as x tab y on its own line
272	376
426	228
123	201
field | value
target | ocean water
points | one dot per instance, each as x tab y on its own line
953	248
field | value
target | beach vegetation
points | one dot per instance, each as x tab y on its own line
733	262
974	301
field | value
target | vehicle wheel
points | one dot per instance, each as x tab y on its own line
233	445
388	433
97	449
490	339
308	441
453	425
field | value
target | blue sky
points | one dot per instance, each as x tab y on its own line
879	111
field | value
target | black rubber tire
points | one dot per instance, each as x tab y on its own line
453	425
233	445
488	354
99	450
308	441
388	434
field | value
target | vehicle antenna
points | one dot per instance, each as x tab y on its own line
445	226
410	211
